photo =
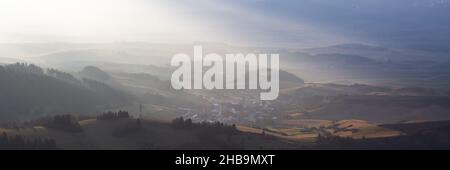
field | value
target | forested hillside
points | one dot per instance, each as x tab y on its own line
28	91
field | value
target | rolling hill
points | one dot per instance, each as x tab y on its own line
28	92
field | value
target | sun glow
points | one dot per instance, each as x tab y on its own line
95	20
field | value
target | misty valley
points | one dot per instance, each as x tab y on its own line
119	96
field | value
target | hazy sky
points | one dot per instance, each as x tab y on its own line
149	20
93	20
258	22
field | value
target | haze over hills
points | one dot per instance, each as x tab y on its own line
377	53
81	74
358	63
29	92
319	99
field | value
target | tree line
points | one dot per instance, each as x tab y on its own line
215	127
17	142
113	115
